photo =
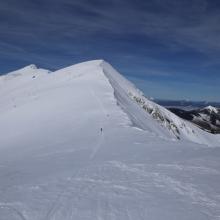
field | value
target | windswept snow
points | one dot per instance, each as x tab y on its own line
56	163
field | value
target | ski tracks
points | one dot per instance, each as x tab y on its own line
102	123
12	209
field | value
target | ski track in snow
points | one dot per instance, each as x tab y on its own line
93	184
101	138
13	210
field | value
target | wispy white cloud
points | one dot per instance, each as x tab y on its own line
175	23
146	38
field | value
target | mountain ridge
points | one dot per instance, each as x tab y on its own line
159	113
83	143
127	95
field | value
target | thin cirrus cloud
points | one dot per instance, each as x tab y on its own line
171	39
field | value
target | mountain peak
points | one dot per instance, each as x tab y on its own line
31	69
84	143
31	66
86	67
211	109
27	68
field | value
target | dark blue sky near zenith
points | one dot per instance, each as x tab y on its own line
169	48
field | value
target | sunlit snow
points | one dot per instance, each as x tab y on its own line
76	144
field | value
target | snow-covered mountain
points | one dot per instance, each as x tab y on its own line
84	143
207	118
211	109
186	104
170	123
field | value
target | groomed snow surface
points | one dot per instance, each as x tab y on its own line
57	163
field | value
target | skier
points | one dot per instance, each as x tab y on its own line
101	130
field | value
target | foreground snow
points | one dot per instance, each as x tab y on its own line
55	163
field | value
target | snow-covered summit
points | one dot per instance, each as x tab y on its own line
211	109
31	66
27	71
84	143
142	112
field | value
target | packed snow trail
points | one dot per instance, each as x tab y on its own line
100	142
55	163
101	137
11	212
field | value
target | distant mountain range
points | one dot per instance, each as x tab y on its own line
185	104
205	115
207	118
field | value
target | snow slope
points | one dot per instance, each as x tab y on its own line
56	163
126	93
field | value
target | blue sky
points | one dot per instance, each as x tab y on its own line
169	48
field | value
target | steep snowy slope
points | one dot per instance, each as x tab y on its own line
57	163
127	95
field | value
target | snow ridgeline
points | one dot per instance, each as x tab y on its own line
176	127
71	147
142	112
